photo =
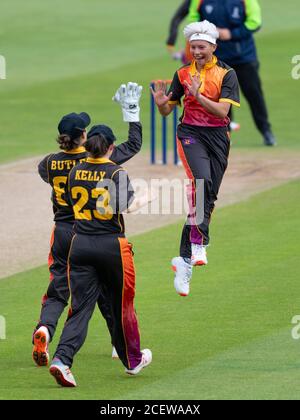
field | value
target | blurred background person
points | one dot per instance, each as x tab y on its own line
237	20
180	14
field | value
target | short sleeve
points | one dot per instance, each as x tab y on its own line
43	169
177	90
230	89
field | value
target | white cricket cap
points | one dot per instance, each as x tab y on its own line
201	31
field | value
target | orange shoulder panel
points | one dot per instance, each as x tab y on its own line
183	73
214	78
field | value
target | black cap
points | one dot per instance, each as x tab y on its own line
74	124
103	130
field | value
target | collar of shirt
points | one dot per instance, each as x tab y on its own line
207	66
98	160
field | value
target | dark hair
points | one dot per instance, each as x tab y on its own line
97	145
66	143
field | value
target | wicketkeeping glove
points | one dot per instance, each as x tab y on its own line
128	97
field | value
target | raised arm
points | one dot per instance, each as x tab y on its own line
166	102
128	96
161	99
126	150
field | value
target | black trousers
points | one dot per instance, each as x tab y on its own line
204	153
96	260
250	83
57	296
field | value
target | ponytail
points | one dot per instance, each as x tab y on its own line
66	143
97	146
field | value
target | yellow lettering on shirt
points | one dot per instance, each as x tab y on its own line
81	175
61	165
77	175
69	164
84	175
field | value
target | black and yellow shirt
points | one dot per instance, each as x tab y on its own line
99	191
55	168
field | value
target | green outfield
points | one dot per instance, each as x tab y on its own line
231	338
65	56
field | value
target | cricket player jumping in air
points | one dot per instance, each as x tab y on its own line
210	88
54	169
237	21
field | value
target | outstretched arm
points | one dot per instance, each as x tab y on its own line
128	96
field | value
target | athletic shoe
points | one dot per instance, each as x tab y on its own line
40	346
199	256
114	354
146	360
269	139
183	274
62	374
234	126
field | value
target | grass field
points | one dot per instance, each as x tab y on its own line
65	56
231	338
